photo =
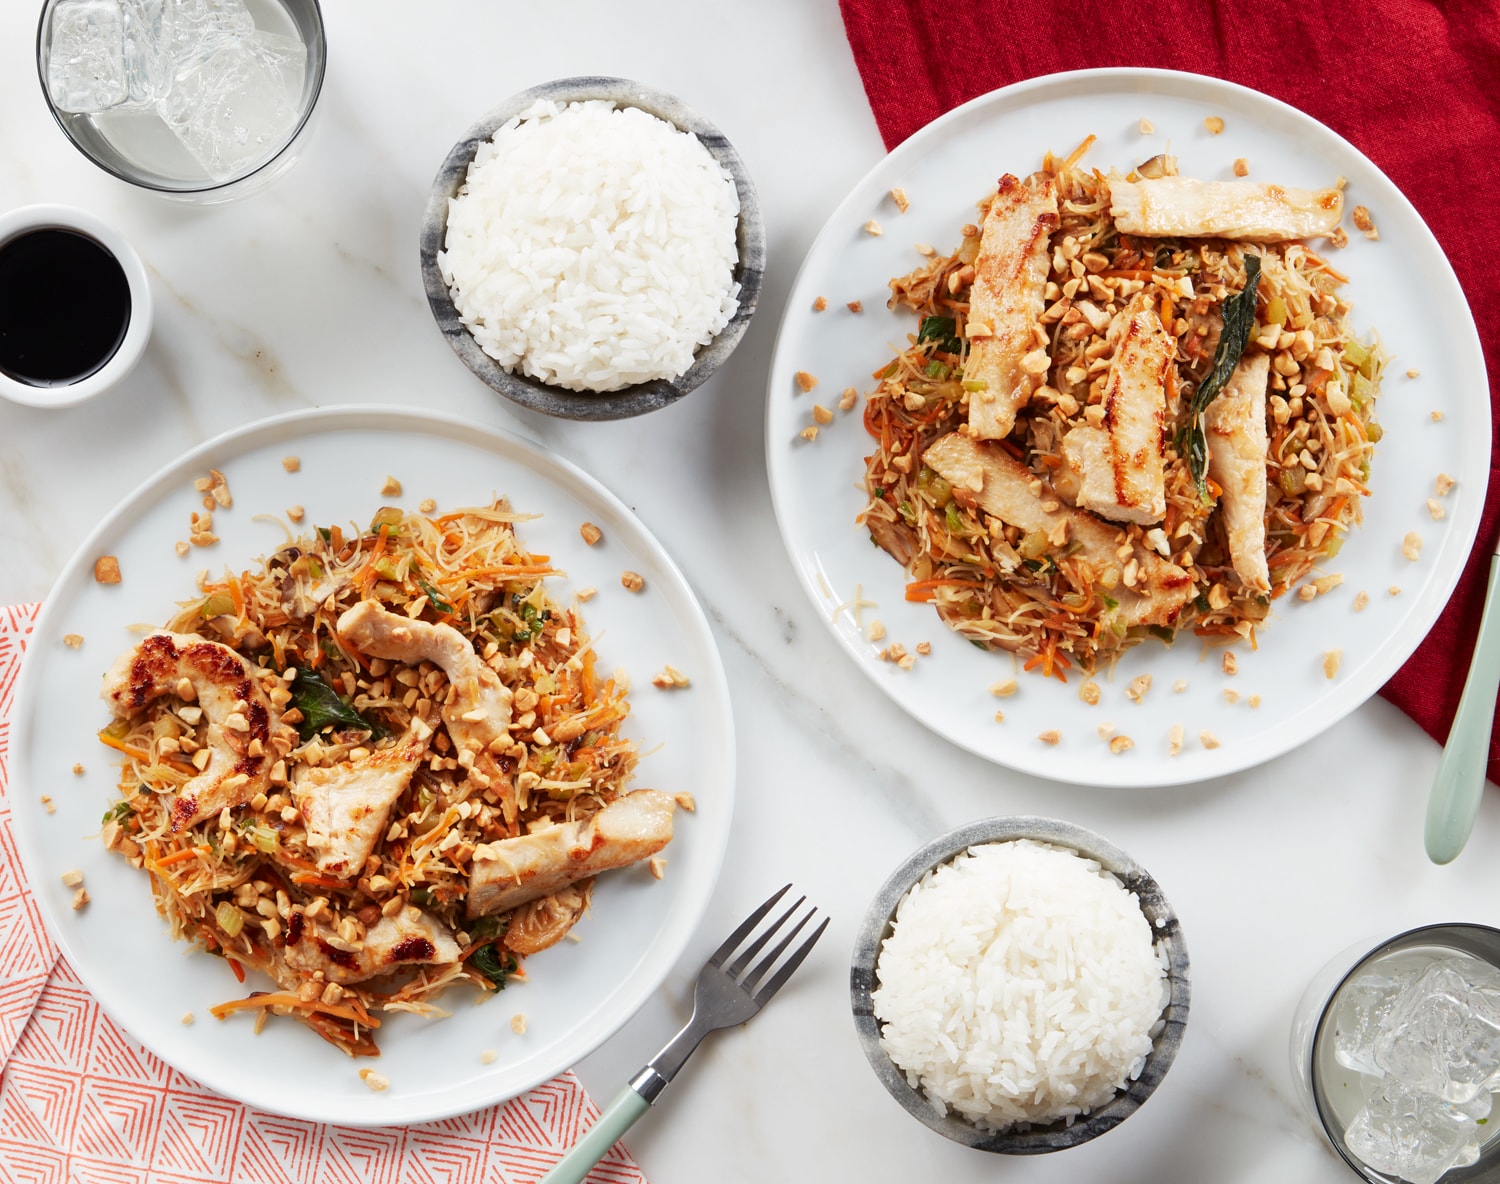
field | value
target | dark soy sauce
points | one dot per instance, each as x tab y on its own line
64	307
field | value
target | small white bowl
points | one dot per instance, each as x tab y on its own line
15	223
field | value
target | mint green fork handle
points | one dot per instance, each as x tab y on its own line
618	1117
1459	783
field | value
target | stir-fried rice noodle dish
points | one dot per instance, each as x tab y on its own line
1134	405
382	763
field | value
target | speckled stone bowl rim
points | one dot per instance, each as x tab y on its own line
642	397
1159	914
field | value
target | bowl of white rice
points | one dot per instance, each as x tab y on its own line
592	249
1020	985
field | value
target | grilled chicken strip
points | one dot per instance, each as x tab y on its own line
1235	424
410	938
542	923
1119	468
1005	300
1170	207
345	806
984	475
514	871
237	713
478	715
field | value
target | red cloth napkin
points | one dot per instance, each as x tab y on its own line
1415	86
80	1100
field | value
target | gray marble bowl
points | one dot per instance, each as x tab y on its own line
644	396
1057	1136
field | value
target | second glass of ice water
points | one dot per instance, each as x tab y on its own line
205	100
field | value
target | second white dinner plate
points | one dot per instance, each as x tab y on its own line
578	994
1434	409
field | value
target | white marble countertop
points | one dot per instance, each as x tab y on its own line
309	294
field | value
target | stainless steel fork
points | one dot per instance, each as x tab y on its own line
727	993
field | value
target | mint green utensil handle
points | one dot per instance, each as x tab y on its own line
1459	783
618	1117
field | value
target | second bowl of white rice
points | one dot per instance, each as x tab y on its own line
1020	985
592	249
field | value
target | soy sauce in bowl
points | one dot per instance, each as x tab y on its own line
64	307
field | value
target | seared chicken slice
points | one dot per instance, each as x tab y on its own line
513	871
1235	424
345	806
1171	207
1119	467
238	717
478	714
984	475
544	922
410	938
1005	300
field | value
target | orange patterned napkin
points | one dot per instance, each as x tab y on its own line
81	1100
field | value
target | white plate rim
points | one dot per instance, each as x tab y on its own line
392	1110
1372	674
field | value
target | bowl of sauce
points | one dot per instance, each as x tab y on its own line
75	306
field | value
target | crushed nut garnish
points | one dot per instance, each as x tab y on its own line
1208	739
805	381
182	548
1414	373
1339	237
820	304
1435	508
1360	600
391	488
898	195
809	433
488	1056
1004	690
1214	124
1241	167
1231	695
518	1024
1174	740
187	1019
686	801
1179	686
107	570
427	505
1444	485
47	804
1331	660
591	533
924	648
1050	737
72	640
1362	219
72	878
873	227
1089	693
586	594
1105	731
1254	700
877	629
78	770
657	866
1121	744
848	399
1411	546
1394	589
296	513
374	1080
632	581
821	414
292	464
1138	687
1230	663
80	899
1147	127
671	679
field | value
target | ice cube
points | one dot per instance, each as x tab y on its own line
148	65
1413	1134
86	57
285	55
1361	1008
200	28
1443	1034
232	110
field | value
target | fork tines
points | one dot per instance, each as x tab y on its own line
748	982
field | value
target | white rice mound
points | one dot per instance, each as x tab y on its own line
1020	985
592	247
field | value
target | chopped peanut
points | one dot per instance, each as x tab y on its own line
1360	600
632	581
80	900
1147	127
1444	485
391	488
1050	737
848	399
292	464
1230	663
591	533
671	679
72	878
820	304
1174	740
72	640
898	195
1331	660
1004	690
374	1080
809	433
1121	744
855	306
1089	693
1241	167
1411	546
1208	739
1214	124
822	415
873	227
107	570
805	381
1138	687
518	1024
657	866
1435	508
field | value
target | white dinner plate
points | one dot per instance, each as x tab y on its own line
578	994
1400	286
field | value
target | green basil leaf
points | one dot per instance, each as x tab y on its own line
321	706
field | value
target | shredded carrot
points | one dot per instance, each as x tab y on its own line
179	856
586	677
237	597
239	971
1078	153
287	999
130	750
314	880
925	591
